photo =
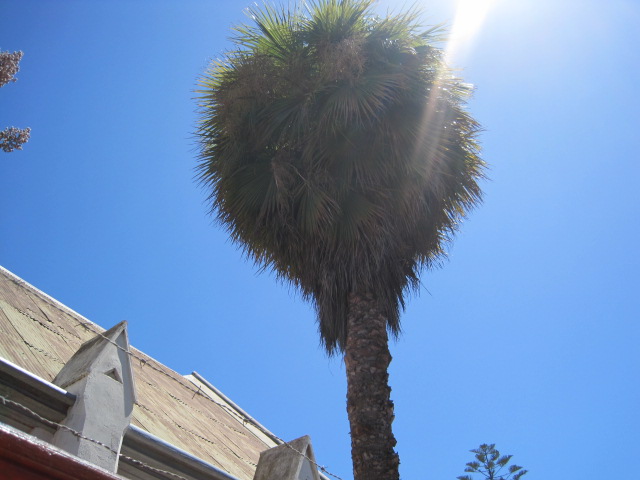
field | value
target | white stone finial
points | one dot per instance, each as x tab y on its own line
291	461
101	377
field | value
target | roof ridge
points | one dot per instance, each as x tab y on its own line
88	324
56	303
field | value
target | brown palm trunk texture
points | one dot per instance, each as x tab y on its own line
369	406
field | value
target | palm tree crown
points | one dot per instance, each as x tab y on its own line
337	151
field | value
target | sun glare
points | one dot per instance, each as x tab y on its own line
469	17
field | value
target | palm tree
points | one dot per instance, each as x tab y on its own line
336	150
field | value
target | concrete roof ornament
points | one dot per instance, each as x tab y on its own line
101	377
285	462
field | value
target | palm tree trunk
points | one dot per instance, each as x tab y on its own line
369	406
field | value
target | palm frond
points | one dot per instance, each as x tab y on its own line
336	149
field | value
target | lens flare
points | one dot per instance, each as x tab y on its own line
469	17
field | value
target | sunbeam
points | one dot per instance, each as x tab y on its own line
469	18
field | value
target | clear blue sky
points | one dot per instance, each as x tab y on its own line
527	337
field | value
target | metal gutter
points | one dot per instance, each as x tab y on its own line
35	394
163	455
38	383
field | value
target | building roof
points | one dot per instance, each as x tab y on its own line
40	335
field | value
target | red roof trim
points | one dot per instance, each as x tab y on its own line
25	457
